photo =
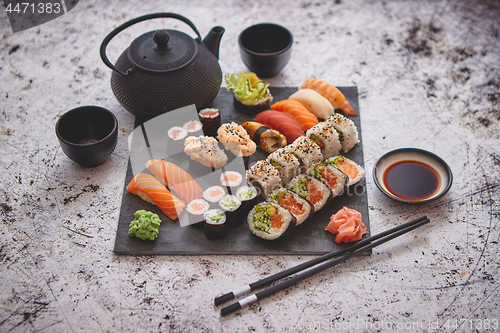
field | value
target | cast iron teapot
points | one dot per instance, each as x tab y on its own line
165	69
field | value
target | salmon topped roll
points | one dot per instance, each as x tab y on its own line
236	139
149	189
297	111
176	178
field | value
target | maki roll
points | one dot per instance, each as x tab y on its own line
266	138
193	127
215	224
299	207
213	194
195	210
264	176
231	205
306	151
311	189
347	131
248	196
175	143
210	118
354	171
326	137
270	221
231	179
251	94
331	176
286	163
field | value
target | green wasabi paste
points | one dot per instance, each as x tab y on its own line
145	225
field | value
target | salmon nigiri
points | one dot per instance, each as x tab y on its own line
331	93
297	111
176	178
149	189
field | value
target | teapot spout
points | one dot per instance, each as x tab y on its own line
212	40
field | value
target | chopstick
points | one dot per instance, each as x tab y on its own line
313	267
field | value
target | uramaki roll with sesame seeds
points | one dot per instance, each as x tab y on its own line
286	163
264	176
326	137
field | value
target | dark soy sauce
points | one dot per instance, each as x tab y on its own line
412	180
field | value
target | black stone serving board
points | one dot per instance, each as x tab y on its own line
309	238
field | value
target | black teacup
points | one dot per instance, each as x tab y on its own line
88	134
265	48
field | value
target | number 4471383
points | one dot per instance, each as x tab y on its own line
40	8
475	324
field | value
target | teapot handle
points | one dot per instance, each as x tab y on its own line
122	27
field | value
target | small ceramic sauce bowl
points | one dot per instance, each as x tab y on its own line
412	176
88	135
265	48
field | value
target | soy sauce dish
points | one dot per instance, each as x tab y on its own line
412	176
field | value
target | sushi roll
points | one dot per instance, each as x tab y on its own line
236	139
231	179
347	131
249	197
193	127
213	194
210	118
299	207
270	221
326	137
264	176
266	138
331	176
195	210
354	171
311	189
231	205
286	163
251	94
175	142
215	224
306	151
205	150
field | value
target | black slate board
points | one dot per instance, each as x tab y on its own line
309	238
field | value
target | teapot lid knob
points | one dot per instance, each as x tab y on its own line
161	38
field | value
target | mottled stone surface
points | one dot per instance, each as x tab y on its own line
428	73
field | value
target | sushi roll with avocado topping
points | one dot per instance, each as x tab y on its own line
286	163
331	176
251	94
231	205
215	224
311	189
299	207
270	221
326	137
354	171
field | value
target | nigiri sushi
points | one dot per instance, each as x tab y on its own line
176	178
297	111
149	189
314	102
205	150
280	122
236	139
331	93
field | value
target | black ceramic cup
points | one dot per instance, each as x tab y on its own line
88	134
265	48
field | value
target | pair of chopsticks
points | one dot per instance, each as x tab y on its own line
312	267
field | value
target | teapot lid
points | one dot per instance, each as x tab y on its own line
162	50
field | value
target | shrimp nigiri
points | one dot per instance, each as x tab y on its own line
149	189
331	93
